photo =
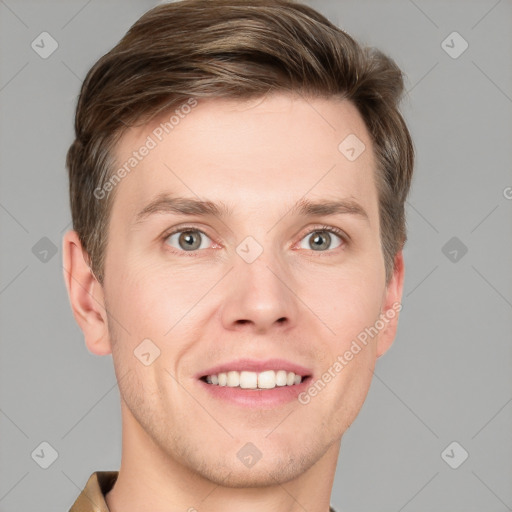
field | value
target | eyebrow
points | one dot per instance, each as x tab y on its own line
165	203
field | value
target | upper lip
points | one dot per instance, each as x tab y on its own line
254	365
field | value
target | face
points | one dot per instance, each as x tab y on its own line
263	282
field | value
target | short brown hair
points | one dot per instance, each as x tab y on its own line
235	49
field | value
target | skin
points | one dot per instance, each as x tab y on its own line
180	445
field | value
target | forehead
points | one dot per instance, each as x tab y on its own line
252	154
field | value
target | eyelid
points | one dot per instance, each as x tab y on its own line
331	229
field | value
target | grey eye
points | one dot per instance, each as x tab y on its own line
188	240
320	240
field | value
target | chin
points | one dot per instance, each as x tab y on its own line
263	474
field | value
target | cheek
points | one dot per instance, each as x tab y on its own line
157	301
346	301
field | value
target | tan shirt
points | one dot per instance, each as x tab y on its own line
92	498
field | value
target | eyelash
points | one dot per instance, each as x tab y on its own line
330	229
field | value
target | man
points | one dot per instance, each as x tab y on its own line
237	189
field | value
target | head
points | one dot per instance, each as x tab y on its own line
247	105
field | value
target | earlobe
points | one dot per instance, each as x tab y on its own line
85	295
391	306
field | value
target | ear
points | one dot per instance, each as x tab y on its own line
391	306
86	295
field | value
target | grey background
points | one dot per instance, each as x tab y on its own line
448	375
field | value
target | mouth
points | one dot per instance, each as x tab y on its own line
267	379
256	384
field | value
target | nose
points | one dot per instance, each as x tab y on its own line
259	296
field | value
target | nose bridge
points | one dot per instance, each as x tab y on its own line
259	291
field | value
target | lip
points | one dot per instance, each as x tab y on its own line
256	398
253	365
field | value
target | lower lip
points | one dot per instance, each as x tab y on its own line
257	398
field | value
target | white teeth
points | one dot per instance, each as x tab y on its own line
233	379
248	380
281	378
267	379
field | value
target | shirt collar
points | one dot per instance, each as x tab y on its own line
92	497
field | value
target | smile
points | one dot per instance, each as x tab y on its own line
267	379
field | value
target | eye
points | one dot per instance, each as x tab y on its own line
187	239
321	239
190	239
